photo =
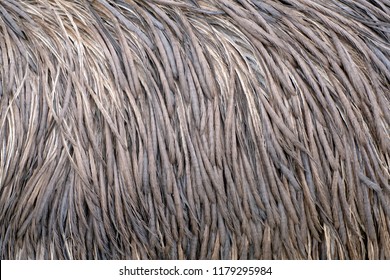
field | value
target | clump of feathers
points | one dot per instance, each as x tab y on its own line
195	129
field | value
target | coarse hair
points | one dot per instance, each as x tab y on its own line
191	129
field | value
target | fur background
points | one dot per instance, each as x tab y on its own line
194	129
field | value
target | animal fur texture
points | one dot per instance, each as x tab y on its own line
189	129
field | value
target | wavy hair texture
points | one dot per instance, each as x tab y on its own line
190	129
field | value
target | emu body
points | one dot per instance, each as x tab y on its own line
194	129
